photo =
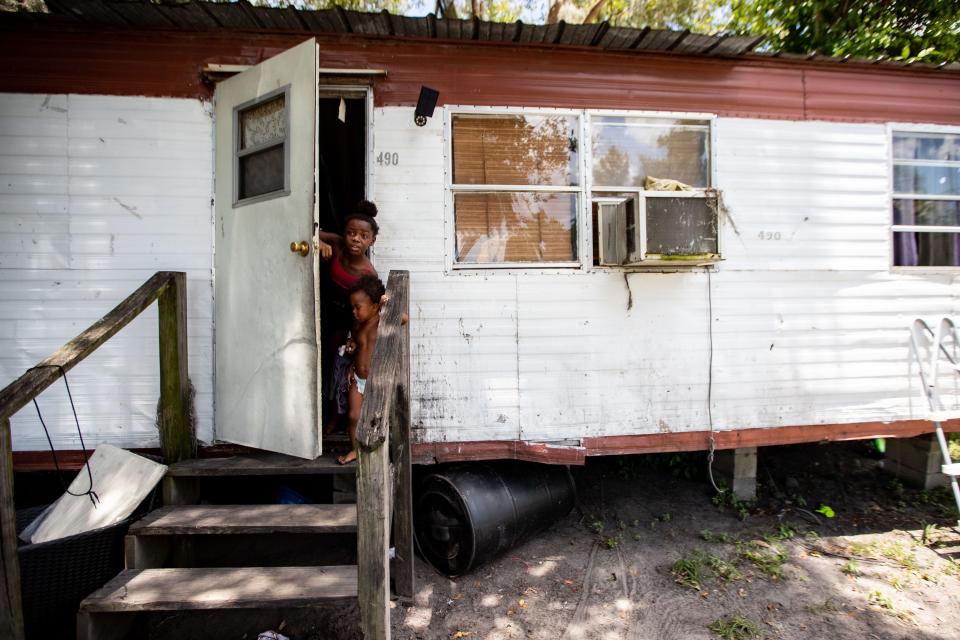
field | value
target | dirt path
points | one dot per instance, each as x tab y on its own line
650	556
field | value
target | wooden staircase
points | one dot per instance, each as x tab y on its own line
175	557
199	557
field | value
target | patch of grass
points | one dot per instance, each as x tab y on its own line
783	532
596	524
899	581
710	536
612	542
951	568
690	570
726	499
735	627
768	558
901	555
851	568
929	531
724	570
880	600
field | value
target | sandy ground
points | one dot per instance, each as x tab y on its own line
648	554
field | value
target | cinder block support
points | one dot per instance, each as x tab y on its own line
915	460
738	468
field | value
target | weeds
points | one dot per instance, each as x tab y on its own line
880	600
735	627
710	536
724	570
727	499
690	570
768	558
851	568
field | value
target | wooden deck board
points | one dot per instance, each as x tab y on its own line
259	464
246	519
223	588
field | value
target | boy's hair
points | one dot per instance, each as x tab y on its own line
365	211
372	286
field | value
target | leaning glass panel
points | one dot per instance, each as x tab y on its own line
926	249
930	179
261	172
515	150
925	146
515	227
628	150
927	213
681	226
263	123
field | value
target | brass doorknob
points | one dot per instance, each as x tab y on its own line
303	248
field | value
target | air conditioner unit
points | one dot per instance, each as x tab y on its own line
657	228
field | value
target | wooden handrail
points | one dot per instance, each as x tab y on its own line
177	439
385	420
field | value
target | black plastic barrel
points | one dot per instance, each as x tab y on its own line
468	514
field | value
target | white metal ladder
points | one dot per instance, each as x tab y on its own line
938	346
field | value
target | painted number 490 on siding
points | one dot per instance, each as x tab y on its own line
388	159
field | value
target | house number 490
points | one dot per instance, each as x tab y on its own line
388	159
769	235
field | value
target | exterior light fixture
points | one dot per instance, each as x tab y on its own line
426	103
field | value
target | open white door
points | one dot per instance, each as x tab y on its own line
267	351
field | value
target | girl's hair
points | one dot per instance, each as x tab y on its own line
365	211
372	286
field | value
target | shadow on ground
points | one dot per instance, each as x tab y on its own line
652	552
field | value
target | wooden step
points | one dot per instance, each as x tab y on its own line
101	613
259	464
193	535
247	519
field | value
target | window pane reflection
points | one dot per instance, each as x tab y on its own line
515	150
628	150
928	213
515	227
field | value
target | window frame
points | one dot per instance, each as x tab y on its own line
894	128
239	153
584	191
451	189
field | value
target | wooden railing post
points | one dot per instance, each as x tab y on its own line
177	435
379	412
11	608
403	472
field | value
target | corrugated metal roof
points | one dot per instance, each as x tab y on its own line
198	15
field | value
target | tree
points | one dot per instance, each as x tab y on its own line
912	30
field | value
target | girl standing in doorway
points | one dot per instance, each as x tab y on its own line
348	262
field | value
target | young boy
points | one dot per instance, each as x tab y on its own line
366	299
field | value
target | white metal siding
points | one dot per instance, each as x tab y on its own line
809	323
96	194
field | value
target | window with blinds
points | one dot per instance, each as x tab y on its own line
516	188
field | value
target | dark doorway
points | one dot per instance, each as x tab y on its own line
341	183
342	160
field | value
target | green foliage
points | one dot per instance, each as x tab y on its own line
851	568
909	30
398	7
710	536
735	627
726	498
768	558
879	599
690	569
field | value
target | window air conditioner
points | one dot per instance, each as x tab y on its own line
657	228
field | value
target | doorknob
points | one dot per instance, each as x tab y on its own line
303	248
